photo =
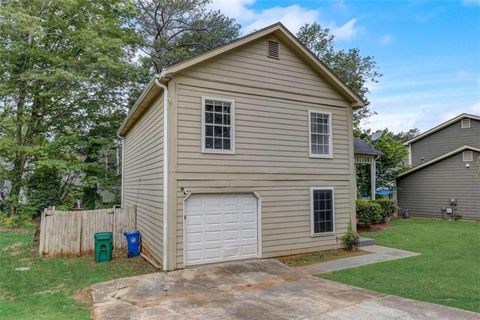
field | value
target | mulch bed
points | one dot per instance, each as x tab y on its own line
374	227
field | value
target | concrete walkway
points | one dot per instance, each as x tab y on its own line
378	254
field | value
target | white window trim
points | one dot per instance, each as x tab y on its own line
312	229
330	138
466	126
465	158
232	126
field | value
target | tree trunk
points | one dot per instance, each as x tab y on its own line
20	157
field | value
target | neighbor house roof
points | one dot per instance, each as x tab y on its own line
440	158
277	30
441	126
361	147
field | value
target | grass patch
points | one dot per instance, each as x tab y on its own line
318	257
47	290
447	272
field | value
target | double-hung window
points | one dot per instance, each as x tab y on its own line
320	131
322	211
218	125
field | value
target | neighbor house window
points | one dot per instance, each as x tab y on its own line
467	156
218	125
322	211
320	130
465	123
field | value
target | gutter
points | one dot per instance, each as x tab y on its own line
165	168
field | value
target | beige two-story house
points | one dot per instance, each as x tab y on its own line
245	151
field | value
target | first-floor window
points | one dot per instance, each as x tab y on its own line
218	132
322	211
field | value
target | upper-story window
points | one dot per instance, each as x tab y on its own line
218	125
466	123
320	131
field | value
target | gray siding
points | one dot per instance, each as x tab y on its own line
444	141
427	190
272	99
143	177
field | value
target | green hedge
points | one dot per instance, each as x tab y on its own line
368	212
377	211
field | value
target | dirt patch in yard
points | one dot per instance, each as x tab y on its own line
84	297
318	257
375	227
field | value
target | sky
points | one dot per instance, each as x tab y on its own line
428	52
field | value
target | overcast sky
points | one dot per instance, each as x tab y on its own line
427	51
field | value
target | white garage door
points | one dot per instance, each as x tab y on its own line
220	227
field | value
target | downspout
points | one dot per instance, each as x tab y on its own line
122	171
165	170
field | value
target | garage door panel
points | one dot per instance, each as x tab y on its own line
249	217
231	218
213	235
213	219
220	227
252	249
231	235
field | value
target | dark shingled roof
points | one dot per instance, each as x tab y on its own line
361	147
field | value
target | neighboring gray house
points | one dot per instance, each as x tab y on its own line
245	151
445	165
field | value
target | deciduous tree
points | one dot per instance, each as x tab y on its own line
63	64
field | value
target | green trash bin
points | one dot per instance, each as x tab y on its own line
103	246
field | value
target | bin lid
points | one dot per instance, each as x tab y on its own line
130	234
103	236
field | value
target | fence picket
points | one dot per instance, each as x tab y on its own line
72	232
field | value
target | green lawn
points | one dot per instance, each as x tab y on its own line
47	289
447	272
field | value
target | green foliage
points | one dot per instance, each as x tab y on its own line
351	239
67	67
457	216
350	66
368	212
13	221
389	208
391	164
173	31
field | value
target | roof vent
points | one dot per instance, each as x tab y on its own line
466	123
272	49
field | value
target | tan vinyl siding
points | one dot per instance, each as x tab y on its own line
446	140
272	98
143	177
427	190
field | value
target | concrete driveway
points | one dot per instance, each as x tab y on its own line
260	289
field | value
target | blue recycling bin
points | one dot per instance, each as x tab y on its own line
133	241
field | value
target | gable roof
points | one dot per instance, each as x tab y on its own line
441	126
361	147
276	29
279	30
440	158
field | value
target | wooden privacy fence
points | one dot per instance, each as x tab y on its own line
72	232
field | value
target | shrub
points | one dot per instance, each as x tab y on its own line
368	212
457	216
12	221
389	208
351	239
